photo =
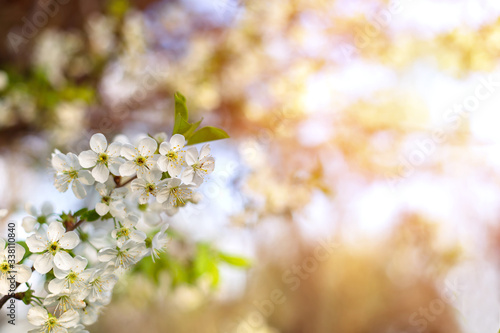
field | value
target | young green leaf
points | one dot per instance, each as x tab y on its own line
206	134
91	216
234	261
180	105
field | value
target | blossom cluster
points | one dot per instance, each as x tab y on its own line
131	187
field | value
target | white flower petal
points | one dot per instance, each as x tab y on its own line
177	141
191	156
204	151
63	260
23	273
128	169
102	189
114	165
78	189
143	198
165	147
106	255
147	146
43	263
79	264
19	252
114	149
101	208
138	236
36	243
209	165
29	223
128	151
187	176
55	231
60	162
163	163
56	286
86	177
61	182
69	240
174	169
88	158
98	143
60	273
100	173
73	161
163	195
37	316
69	318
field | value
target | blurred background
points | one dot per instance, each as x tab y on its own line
359	191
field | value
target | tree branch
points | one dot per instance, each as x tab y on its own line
128	181
19	296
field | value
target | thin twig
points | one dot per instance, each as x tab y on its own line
4	299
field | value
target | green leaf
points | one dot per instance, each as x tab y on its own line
27	296
192	127
181	124
206	134
202	260
91	216
214	272
80	212
27	252
234	261
180	106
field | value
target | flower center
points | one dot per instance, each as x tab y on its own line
98	284
123	232
141	160
51	323
106	200
4	267
72	277
73	174
150	188
53	247
172	155
103	158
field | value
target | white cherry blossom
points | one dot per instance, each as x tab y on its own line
159	242
69	171
172	155
102	158
51	245
45	215
111	200
128	231
64	300
140	159
174	194
101	282
21	272
48	323
199	165
73	279
148	184
125	256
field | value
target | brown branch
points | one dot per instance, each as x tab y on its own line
19	296
128	181
72	227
